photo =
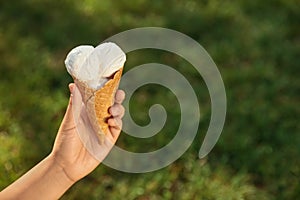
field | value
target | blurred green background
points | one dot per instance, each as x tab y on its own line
256	46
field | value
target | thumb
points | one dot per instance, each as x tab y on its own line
68	121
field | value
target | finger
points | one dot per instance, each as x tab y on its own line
117	110
68	121
120	96
115	127
115	132
115	122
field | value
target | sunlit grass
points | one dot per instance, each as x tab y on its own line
256	46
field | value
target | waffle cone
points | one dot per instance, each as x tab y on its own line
97	103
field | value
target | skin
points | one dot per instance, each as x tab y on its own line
68	161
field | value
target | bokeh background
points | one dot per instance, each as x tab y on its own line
256	46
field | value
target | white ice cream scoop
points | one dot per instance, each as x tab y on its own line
94	65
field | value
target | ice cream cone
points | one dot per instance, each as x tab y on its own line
97	102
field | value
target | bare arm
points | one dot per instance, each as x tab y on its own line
68	162
46	180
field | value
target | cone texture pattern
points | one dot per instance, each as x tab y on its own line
97	102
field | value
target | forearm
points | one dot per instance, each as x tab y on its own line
47	180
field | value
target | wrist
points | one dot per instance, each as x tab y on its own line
61	175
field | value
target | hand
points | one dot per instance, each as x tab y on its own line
69	151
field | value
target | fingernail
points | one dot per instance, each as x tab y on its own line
71	88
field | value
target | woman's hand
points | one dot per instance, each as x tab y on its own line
69	152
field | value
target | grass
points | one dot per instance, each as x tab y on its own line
255	45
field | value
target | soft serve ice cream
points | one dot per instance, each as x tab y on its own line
97	72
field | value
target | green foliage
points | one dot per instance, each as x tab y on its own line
255	45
